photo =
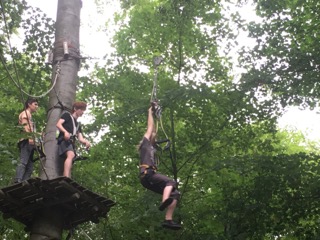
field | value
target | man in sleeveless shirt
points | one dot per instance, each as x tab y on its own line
155	181
70	129
27	145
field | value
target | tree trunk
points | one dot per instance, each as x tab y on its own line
49	222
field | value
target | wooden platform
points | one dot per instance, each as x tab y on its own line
21	201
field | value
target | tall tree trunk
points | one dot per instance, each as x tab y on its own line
49	222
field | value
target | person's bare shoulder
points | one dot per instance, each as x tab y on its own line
24	116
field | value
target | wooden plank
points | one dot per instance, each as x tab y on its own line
85	196
23	200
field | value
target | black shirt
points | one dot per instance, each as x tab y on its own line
68	124
147	153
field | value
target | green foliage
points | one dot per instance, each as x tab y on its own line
238	176
22	71
285	59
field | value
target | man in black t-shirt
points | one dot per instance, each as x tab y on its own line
154	181
70	129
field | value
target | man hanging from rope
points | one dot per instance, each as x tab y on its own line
152	180
26	145
70	129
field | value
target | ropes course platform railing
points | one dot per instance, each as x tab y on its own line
23	200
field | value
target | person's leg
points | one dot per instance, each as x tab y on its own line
24	157
68	164
170	200
166	193
164	186
170	210
29	166
168	222
166	199
28	171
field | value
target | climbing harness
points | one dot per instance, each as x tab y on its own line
167	141
75	129
146	167
146	170
73	136
39	148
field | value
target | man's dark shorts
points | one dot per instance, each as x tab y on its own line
65	146
157	182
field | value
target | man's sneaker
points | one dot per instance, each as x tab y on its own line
165	204
171	225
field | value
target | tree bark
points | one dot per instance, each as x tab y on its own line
48	223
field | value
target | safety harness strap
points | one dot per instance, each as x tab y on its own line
146	167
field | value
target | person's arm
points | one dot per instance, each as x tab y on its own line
150	126
83	140
59	125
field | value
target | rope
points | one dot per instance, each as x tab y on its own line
156	62
17	84
85	234
161	125
71	233
44	94
157	109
